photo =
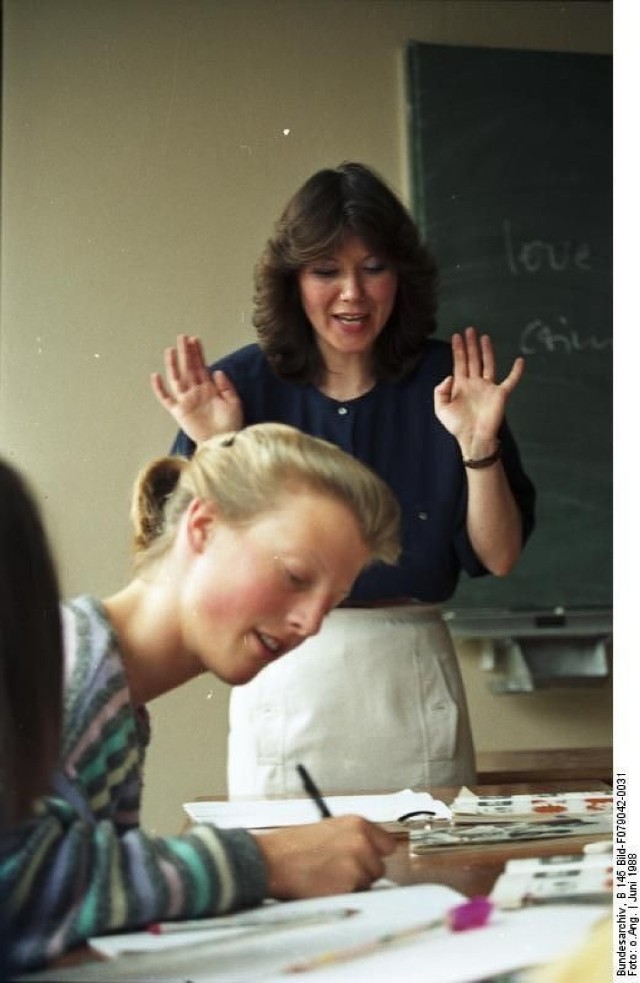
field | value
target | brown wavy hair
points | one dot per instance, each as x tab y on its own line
332	204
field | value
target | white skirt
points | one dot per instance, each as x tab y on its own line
374	702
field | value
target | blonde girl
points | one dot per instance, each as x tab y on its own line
240	554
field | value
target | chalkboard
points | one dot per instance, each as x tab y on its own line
511	175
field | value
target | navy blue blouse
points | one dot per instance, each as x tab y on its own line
393	429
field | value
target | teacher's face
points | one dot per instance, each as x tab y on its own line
255	592
348	297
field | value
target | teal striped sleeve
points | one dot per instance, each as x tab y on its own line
65	879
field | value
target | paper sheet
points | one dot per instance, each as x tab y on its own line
264	813
270	917
511	941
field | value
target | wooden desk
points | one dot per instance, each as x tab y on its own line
584	764
469	870
473	870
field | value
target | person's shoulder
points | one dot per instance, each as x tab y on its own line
85	608
436	350
434	363
442	345
90	644
247	359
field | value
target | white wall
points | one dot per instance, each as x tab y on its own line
145	160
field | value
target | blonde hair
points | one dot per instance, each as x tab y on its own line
245	473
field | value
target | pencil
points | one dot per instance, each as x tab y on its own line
473	913
364	948
313	792
276	920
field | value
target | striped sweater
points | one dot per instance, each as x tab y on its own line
80	865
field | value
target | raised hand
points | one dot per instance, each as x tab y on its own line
202	404
470	404
331	857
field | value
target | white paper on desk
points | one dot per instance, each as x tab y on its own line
112	946
265	813
513	940
251	959
435	901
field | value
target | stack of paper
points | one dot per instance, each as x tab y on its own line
510	818
266	813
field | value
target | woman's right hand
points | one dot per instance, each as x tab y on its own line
202	404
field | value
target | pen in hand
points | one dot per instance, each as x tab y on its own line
313	791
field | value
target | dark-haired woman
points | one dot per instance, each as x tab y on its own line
345	310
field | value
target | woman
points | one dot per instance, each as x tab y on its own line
344	310
241	552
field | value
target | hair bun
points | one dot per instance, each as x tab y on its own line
154	486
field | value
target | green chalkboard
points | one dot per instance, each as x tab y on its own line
511	176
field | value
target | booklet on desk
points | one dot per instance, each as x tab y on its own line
267	813
468	807
582	879
478	819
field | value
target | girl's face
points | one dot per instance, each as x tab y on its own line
348	298
255	592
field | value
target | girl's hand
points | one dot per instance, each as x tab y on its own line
470	404
202	404
330	857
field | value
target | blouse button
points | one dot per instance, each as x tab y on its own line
342	410
423	515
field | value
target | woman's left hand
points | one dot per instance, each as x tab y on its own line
470	404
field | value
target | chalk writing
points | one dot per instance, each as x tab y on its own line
535	255
538	336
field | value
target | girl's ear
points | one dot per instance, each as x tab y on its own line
200	518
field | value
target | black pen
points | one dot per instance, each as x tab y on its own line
313	791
